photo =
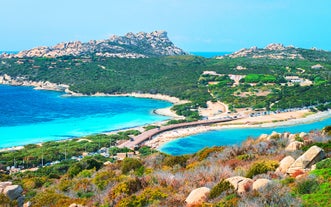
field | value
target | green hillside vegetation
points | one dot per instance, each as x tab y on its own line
181	76
157	179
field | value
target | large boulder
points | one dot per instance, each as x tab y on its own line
240	184
313	155
13	191
302	135
260	184
3	185
263	137
293	146
285	164
197	196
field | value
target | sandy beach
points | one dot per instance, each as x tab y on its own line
274	120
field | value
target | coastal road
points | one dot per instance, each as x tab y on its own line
138	140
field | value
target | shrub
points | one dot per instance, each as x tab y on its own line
4	200
75	169
85	173
175	160
102	179
273	195
204	153
306	186
229	201
327	130
148	196
324	164
217	190
145	150
246	157
129	164
127	187
288	180
261	167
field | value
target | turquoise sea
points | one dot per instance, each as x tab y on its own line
32	116
194	143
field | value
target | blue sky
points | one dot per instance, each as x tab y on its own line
194	25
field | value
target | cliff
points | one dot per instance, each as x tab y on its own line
140	45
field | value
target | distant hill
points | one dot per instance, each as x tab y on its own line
140	45
279	51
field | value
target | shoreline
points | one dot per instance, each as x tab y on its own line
161	139
158	141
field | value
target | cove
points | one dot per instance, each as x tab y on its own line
232	136
32	116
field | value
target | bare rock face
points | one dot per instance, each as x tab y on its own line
285	164
197	196
3	185
140	45
240	184
309	158
275	46
293	146
272	51
260	184
13	191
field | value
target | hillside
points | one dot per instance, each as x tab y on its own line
241	82
140	45
279	51
271	170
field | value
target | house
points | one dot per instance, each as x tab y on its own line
294	79
121	156
317	66
210	73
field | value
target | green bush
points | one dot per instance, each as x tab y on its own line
175	160
75	169
327	130
261	167
324	164
204	153
103	178
306	186
148	196
129	164
246	157
222	186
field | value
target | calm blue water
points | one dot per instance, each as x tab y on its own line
31	116
194	143
210	54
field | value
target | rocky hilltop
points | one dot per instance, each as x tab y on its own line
279	51
140	45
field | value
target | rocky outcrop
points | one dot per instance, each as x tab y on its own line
285	164
131	45
260	184
293	146
197	196
13	192
240	184
313	155
272	51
